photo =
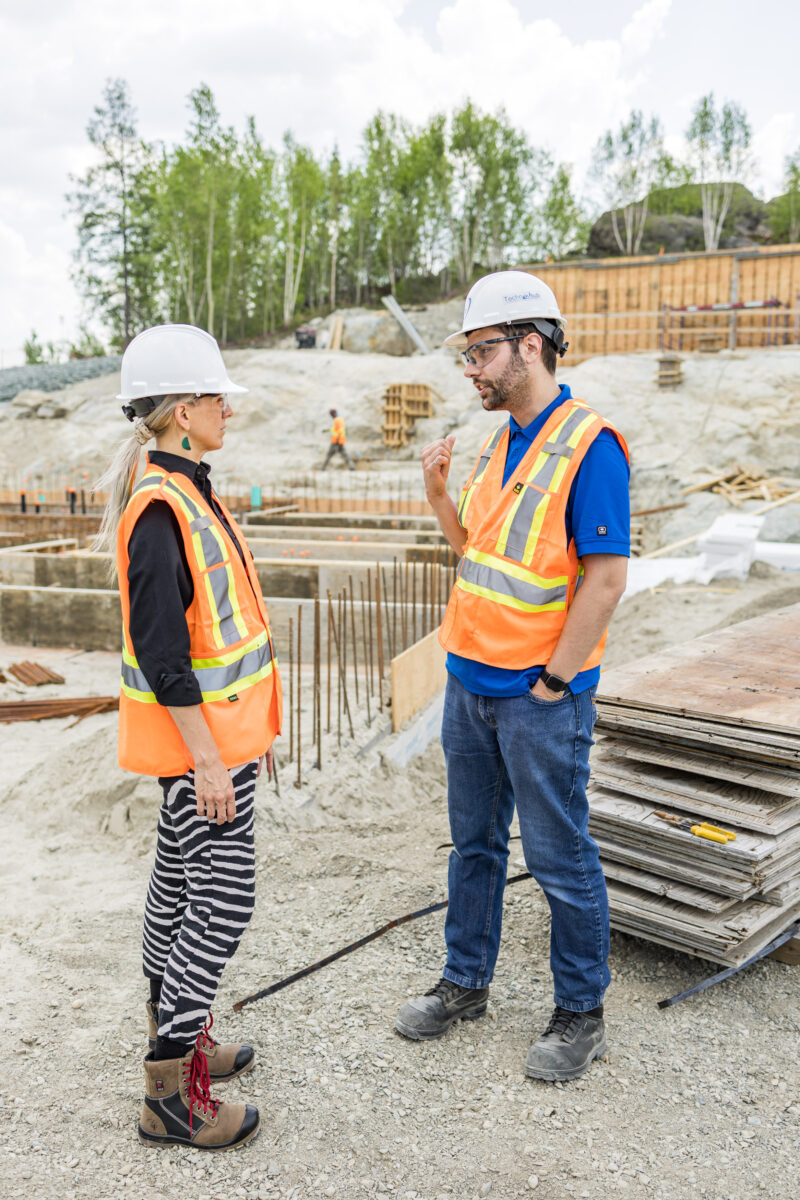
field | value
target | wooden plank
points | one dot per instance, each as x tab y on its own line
722	675
417	675
788	953
716	801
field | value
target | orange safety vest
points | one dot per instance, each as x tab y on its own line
518	576
337	431
229	635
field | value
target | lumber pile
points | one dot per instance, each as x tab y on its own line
403	403
33	674
707	733
40	710
739	483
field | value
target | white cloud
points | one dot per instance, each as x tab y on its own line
644	27
320	69
771	144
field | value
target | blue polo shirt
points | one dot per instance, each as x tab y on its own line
598	498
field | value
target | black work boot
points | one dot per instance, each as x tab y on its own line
431	1015
568	1047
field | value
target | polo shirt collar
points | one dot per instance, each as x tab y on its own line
530	431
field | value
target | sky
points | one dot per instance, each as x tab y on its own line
565	73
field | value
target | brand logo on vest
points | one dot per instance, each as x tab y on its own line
518	488
233	698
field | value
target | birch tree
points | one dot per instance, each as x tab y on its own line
627	165
720	157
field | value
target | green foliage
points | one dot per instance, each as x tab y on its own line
115	256
627	164
34	350
784	210
719	143
88	345
224	232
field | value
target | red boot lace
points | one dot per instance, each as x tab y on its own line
198	1086
204	1039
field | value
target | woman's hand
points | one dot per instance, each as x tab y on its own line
213	787
268	759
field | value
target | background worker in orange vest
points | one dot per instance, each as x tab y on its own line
338	439
199	708
544	529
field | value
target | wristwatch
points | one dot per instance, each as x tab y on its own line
553	683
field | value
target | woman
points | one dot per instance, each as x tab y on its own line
200	706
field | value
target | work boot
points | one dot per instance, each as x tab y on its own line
178	1109
431	1015
226	1060
568	1047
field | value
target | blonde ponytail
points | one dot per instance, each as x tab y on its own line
119	476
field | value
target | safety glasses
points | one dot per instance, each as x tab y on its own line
477	355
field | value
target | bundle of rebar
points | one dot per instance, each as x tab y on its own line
40	710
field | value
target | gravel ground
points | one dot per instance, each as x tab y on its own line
700	1100
48	376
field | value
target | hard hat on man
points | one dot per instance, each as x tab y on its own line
169	359
507	298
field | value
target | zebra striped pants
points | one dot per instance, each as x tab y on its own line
200	898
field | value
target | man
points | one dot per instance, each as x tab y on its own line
338	439
544	529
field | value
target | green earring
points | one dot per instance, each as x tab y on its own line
185	444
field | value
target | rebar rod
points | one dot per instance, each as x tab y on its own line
355	643
366	655
299	780
291	689
329	643
337	643
380	637
342	680
317	681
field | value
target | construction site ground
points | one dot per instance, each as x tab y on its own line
698	1100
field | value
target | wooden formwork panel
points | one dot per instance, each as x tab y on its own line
616	305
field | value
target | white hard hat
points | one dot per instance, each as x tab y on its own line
506	297
168	359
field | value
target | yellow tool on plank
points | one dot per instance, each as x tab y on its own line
711	833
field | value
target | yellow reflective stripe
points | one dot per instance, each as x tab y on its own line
197	540
233	689
536	528
516	570
488	450
234	602
224	660
572	441
509	601
133	694
465	499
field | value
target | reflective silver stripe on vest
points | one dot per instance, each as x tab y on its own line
480	470
490	578
521	525
523	517
216	679
148	481
201	523
210	679
219	587
134	677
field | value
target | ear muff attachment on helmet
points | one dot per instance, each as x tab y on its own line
553	333
141	407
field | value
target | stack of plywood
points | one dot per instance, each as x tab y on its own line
707	731
403	403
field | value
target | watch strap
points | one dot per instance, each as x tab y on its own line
553	682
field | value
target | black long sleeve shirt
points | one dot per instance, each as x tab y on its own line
161	588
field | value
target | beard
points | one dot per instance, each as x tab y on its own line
507	388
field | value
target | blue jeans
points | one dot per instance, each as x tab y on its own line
534	753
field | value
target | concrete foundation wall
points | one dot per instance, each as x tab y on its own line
88	619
